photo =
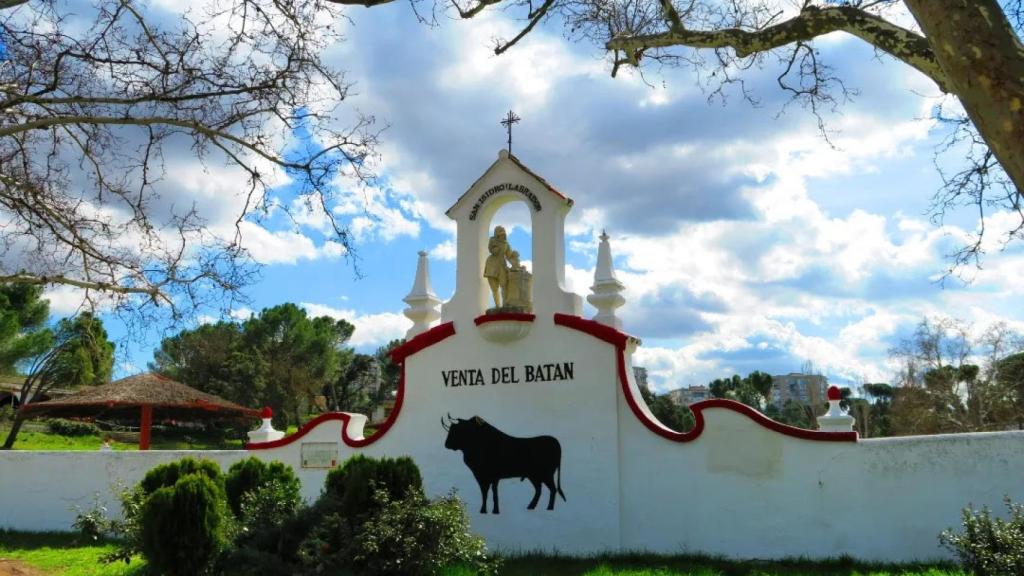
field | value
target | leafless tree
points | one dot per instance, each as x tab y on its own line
970	49
92	97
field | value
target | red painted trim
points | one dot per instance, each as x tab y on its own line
595	329
122	404
145	427
504	317
619	339
421	341
344	417
398	356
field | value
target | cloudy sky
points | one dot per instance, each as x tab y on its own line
745	241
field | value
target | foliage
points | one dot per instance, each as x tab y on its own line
949	380
754	390
247	477
62	427
80	354
351	487
348	501
280	358
987	546
184	526
414	536
92	523
672	415
1010	377
23	315
167	475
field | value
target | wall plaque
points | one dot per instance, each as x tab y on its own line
319	454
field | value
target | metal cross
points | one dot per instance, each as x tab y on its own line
507	123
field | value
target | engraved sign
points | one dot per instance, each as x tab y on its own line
319	454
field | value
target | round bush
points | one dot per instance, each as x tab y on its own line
183	526
351	487
62	427
167	475
251	474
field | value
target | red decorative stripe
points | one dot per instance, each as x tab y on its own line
448	330
504	317
619	339
198	404
421	341
595	329
345	418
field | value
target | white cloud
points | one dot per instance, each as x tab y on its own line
372	330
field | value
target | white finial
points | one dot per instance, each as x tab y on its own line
266	432
836	419
422	301
605	293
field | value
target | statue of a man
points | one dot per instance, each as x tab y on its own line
496	267
520	284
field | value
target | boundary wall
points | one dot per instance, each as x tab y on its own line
738	485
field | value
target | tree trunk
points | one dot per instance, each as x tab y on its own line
13	434
983	59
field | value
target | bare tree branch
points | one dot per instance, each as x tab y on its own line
812	22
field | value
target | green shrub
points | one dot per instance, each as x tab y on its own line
62	427
269	506
184	526
987	546
350	489
252	473
167	475
415	536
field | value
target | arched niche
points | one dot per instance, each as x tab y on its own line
508	180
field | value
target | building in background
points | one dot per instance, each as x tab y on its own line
690	395
808	389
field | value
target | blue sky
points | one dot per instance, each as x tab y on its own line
745	241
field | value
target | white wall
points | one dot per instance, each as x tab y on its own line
738	489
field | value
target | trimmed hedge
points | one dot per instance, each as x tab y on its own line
184	526
251	474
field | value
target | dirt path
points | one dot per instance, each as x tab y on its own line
18	568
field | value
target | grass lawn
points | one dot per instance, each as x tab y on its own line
652	565
63	554
42	440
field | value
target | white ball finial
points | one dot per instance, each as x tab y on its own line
422	301
836	419
266	432
605	293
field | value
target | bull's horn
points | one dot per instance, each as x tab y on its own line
443	425
450	419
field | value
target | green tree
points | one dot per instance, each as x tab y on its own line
280	358
299	355
353	389
754	390
390	373
79	354
212	358
949	381
672	415
23	315
1011	378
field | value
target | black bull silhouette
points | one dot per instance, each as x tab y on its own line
492	455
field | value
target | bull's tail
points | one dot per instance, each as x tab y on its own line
559	484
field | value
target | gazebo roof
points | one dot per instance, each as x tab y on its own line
169	398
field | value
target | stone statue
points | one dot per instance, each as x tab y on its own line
496	267
510	282
520	285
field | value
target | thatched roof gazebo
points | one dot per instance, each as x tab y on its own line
141	394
